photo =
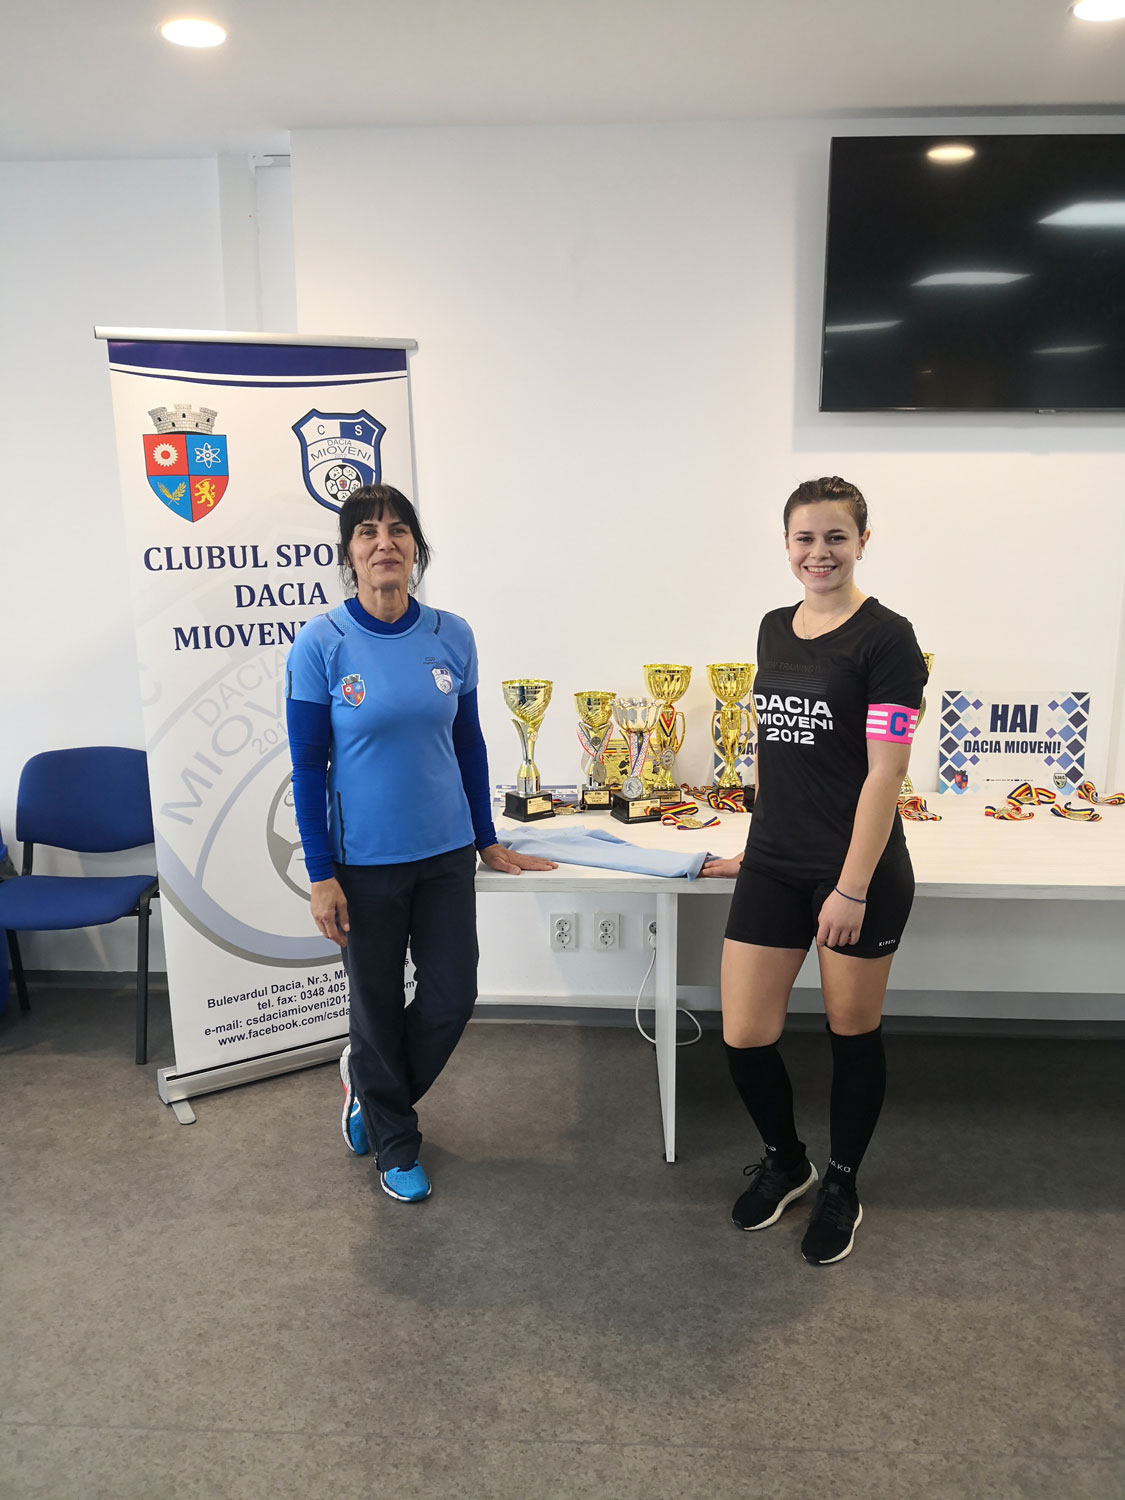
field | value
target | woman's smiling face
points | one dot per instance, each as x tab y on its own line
824	545
382	551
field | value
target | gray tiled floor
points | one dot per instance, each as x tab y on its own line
233	1309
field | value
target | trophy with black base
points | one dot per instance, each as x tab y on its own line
527	698
636	718
667	682
595	730
731	723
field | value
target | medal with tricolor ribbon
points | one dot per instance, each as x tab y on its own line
682	815
915	810
1076	814
721	799
594	748
1089	793
1025	793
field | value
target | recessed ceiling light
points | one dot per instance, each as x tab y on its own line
953	153
192	32
972	278
1098	10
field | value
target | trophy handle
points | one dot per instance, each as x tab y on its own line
678	730
746	731
715	737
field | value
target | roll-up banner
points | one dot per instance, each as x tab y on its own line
236	451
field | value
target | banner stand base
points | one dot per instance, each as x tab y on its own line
175	1087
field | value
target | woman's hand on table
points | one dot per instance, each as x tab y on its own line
329	907
723	869
508	862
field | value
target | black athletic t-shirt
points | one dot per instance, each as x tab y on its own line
812	700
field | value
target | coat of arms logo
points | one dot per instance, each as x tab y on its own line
339	453
353	689
186	460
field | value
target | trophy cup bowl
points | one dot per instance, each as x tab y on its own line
636	718
527	699
907	788
731	724
595	730
667	682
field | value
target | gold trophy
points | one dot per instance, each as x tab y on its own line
595	730
907	787
668	683
527	697
731	725
636	718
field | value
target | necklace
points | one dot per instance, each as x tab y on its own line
827	628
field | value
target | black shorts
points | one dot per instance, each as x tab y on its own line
782	911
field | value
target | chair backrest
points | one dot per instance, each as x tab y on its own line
93	800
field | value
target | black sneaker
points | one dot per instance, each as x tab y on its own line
770	1192
836	1215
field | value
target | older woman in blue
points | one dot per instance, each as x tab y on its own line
390	783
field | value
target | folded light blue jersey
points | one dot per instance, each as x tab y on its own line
599	847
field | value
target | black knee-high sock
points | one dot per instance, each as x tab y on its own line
859	1081
760	1077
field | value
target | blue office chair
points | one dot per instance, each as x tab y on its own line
5	871
93	801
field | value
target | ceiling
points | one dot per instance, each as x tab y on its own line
92	78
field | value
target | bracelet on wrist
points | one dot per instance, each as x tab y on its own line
859	900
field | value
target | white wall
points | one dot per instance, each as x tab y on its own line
125	243
615	390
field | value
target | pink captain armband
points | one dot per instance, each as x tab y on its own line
891	721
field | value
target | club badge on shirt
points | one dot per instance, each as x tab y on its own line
444	678
353	689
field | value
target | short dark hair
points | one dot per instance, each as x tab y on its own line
829	487
370	503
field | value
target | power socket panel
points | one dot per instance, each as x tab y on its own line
564	931
607	930
650	931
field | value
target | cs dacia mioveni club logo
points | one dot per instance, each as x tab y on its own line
186	460
339	453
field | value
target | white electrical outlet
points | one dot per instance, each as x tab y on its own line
564	931
650	931
607	930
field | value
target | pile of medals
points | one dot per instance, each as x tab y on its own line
1021	800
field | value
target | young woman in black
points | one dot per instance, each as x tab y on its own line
837	693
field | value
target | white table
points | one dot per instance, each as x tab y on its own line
966	855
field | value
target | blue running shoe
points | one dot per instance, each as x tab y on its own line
351	1121
407	1184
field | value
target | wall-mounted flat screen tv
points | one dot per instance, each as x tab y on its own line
975	273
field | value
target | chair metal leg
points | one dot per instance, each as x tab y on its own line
17	971
142	979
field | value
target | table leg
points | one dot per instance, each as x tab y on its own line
666	952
